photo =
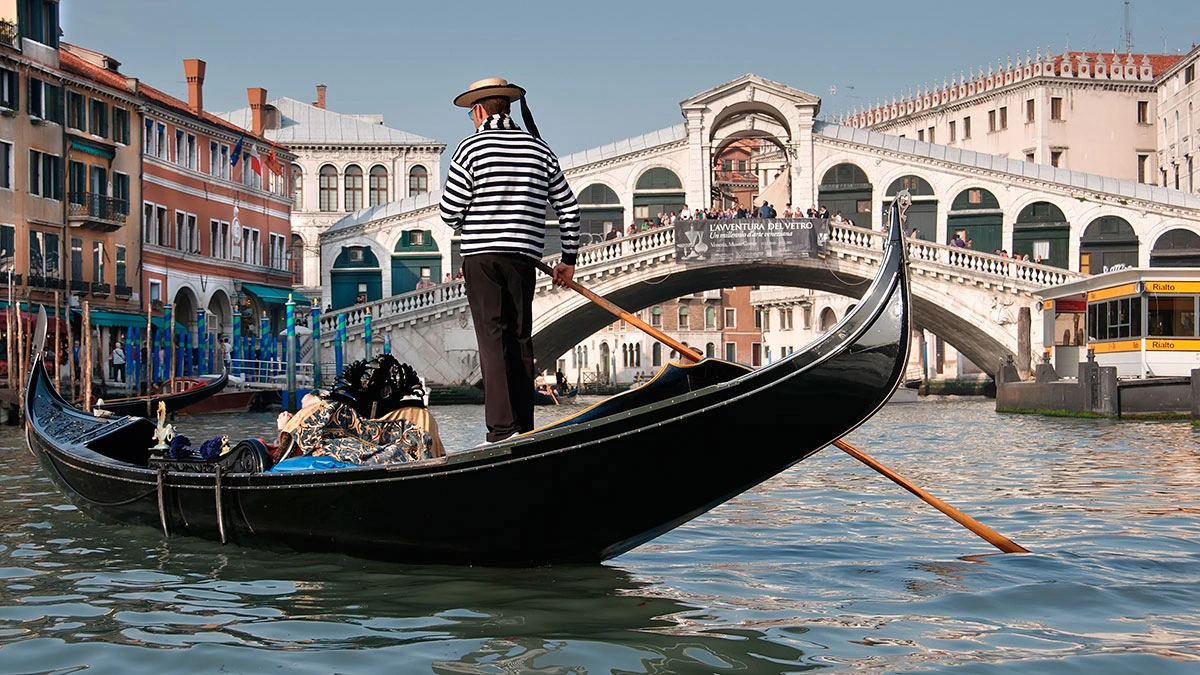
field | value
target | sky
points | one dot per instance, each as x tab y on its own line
596	72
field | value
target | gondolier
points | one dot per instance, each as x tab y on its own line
499	183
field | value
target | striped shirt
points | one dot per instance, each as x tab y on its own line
496	192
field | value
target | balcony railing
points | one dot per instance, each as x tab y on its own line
124	291
80	286
52	283
97	210
101	288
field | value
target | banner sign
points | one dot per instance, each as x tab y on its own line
732	239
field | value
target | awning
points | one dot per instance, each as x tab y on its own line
276	295
100	317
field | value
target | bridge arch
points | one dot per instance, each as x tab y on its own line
1108	241
1177	247
976	213
729	116
355	277
600	211
1042	232
845	187
415	255
658	190
922	213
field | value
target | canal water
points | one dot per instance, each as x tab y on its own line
827	567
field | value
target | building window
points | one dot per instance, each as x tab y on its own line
953	131
10	89
1029	110
731	351
416	238
328	188
44	252
120	125
296	262
122	279
120	192
6	165
40	21
656	317
1056	110
785	318
155	290
1056	157
929	134
1003	117
418	181
98	118
920	134
966	128
1029	157
730	318
297	187
218	160
76	259
278	251
991	120
354	187
161	146
683	318
189	152
98	262
75	115
1143	112
378	185
1189	74
163	225
45	175
45	101
975	196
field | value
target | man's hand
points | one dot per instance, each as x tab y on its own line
563	273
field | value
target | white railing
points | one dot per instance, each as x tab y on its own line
659	243
273	374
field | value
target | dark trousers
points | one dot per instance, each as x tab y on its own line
500	294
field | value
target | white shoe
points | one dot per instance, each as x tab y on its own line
502	440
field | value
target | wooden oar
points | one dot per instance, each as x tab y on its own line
685	352
991	536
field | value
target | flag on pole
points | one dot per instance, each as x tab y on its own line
271	161
237	151
255	161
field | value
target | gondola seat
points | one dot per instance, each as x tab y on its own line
248	456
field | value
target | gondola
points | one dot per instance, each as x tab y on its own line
580	490
147	406
547	398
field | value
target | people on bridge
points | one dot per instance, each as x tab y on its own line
496	191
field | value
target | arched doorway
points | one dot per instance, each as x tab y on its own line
355	277
220	315
658	190
1178	247
184	307
827	320
605	368
976	213
296	260
922	213
415	256
600	212
845	188
1042	233
1106	242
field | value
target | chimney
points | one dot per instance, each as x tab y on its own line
194	70
258	109
320	102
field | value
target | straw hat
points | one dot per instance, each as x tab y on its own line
488	87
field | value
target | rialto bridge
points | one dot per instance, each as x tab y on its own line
1070	220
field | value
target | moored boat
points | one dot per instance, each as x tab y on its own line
147	406
583	489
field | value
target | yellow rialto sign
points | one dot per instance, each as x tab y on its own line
1114	292
1114	347
1173	286
1160	344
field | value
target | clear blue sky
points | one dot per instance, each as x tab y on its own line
596	72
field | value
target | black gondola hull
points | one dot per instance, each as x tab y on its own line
582	490
147	406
